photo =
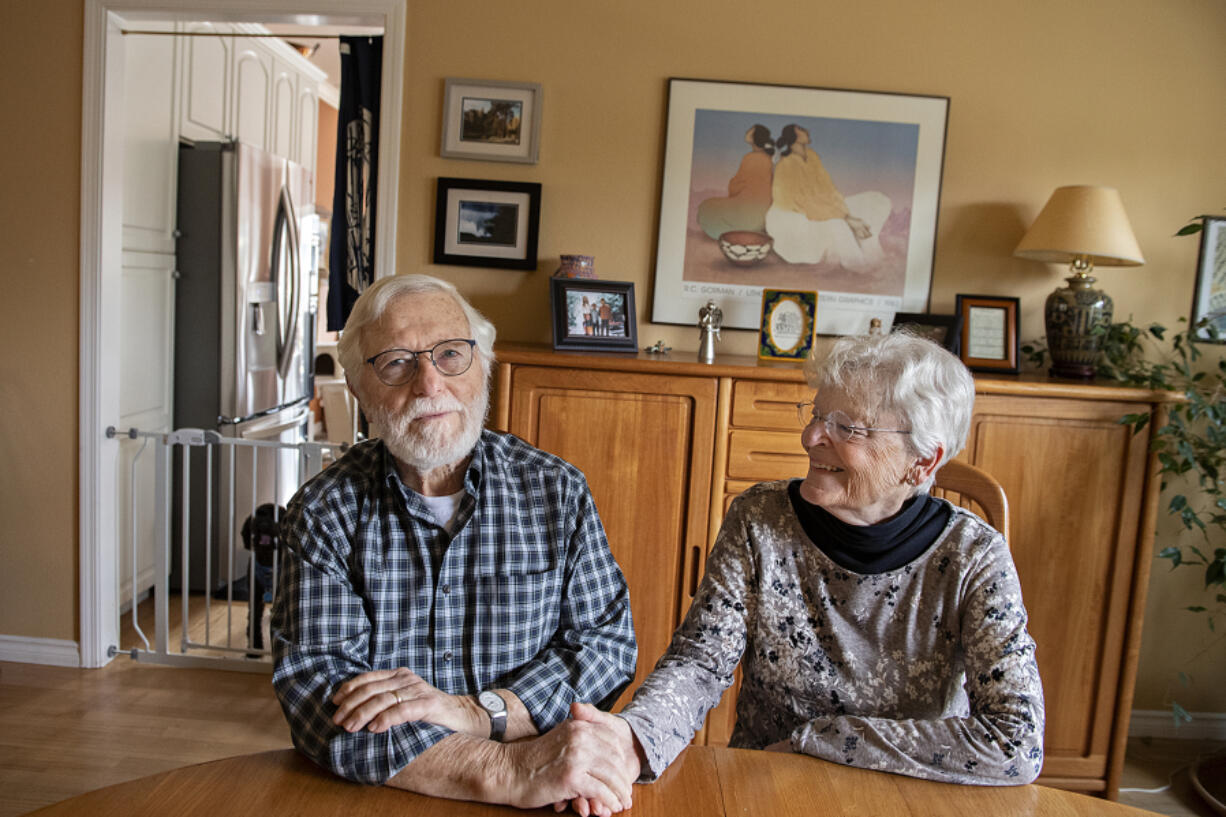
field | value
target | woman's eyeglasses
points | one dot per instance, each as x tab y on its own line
839	426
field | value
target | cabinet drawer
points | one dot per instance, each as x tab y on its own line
765	404
764	455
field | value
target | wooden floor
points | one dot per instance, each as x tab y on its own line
67	731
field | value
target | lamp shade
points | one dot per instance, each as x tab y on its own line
1082	221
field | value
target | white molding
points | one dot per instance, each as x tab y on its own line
26	650
1159	723
330	94
101	237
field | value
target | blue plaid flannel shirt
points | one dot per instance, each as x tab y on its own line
526	596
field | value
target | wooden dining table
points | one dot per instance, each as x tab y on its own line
703	781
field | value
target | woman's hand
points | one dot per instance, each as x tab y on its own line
581	761
630	755
381	699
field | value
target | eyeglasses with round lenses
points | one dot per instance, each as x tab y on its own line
395	367
838	425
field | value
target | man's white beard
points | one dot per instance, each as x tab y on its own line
434	445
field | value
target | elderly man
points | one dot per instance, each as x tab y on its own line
449	593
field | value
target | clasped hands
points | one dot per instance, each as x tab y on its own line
588	761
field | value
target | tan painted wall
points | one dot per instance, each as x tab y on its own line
1119	92
40	160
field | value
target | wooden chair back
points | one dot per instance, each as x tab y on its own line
976	490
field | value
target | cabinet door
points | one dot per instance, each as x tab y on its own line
307	111
206	75
645	443
1074	478
281	114
150	155
252	92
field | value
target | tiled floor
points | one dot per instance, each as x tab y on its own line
1155	762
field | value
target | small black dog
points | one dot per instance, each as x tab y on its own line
261	536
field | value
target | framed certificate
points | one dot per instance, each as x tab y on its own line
788	323
989	333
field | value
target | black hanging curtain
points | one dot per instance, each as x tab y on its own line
352	253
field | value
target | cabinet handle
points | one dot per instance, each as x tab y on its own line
694	557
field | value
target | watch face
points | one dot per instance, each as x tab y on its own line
492	701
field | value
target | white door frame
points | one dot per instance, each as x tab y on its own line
101	239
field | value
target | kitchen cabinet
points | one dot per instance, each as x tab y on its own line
205	74
667	444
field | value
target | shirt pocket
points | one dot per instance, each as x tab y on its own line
518	615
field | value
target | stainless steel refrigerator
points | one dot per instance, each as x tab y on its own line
244	339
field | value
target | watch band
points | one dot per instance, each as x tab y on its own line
496	707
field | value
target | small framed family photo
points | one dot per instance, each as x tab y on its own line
788	325
593	315
1209	303
989	333
491	120
943	329
487	223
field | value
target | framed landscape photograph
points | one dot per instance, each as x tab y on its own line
487	223
989	333
798	189
491	120
1209	301
943	329
593	315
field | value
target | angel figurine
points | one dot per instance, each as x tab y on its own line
710	319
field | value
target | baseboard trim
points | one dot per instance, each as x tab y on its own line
1159	723
53	651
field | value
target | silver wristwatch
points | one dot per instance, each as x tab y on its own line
493	703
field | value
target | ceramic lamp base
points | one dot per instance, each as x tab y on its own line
1073	313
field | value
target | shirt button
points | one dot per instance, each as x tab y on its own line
447	655
446	589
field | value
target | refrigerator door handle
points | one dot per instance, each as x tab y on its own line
287	222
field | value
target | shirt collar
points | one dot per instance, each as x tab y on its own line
473	475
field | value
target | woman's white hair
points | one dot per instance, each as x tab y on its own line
376	298
906	376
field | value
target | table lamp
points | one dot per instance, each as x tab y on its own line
1084	226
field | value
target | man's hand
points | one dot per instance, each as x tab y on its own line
381	699
582	760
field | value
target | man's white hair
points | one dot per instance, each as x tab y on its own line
376	298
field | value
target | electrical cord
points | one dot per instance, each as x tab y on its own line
1171	777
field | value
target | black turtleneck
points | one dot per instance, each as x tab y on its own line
876	548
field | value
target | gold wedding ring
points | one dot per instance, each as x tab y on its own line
396	694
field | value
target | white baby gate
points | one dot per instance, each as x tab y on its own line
200	504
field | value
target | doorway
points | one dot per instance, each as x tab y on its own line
102	250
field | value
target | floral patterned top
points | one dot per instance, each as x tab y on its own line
926	670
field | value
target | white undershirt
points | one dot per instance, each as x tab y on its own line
444	508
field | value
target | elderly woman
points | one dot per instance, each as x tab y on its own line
876	626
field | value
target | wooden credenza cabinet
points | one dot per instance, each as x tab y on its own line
666	444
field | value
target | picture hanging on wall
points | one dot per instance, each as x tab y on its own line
491	120
783	187
1209	302
487	223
